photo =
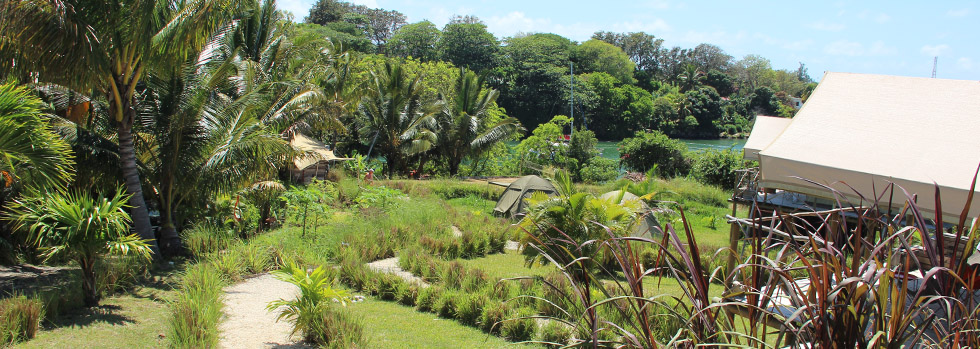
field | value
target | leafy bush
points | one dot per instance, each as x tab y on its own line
555	334
647	150
379	196
20	318
599	170
195	314
310	313
519	325
715	167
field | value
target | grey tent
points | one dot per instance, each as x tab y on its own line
511	202
647	223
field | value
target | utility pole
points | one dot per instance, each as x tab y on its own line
935	63
571	100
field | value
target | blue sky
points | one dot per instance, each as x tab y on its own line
879	37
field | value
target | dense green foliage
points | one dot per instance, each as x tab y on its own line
717	167
649	150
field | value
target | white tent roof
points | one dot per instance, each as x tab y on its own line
869	130
765	130
316	152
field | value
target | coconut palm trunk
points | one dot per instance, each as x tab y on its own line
127	161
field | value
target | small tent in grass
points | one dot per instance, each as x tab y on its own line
511	202
647	224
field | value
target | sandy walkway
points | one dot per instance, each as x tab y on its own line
390	266
248	324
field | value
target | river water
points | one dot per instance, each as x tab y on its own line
609	148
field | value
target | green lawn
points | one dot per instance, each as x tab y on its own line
391	325
132	320
506	265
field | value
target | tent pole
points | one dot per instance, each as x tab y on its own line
733	236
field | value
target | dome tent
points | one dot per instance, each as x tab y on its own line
647	223
511	202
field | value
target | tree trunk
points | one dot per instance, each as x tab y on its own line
169	240
127	159
90	293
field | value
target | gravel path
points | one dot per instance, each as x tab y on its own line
390	265
248	323
512	245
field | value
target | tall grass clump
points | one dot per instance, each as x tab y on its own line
196	313
20	319
206	238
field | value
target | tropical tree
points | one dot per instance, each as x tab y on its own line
80	227
463	122
108	47
395	117
690	77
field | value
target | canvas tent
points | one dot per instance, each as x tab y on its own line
315	163
869	130
511	202
648	222
765	130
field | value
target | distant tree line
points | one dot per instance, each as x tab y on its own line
624	82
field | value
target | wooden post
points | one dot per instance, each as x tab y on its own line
733	237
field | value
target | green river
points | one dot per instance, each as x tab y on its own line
609	148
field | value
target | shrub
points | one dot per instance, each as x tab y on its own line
555	334
195	314
311	312
491	315
519	326
20	318
447	304
476	279
334	326
599	170
452	275
407	294
427	298
379	196
647	150
469	309
715	167
229	264
255	259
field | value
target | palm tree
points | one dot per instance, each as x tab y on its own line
32	156
464	123
82	228
690	77
396	115
108	47
201	143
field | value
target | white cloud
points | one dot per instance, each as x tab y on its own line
965	63
653	27
827	26
517	21
855	49
958	13
658	4
844	48
934	50
882	18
